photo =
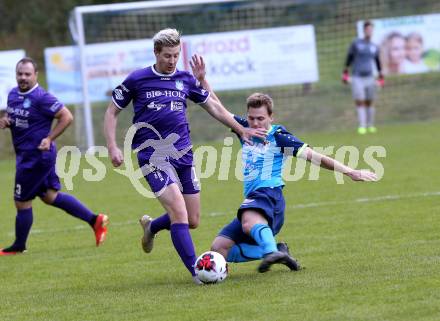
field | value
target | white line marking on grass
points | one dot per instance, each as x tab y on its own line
217	213
367	200
306	205
84	226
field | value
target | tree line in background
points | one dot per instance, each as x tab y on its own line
37	24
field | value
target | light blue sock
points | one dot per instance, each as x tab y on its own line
244	253
262	234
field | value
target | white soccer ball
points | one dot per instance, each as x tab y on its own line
211	267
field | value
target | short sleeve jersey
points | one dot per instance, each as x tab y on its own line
364	54
263	161
31	114
159	100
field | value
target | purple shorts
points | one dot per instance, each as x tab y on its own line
169	171
35	174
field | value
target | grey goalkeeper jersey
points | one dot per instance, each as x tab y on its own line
362	55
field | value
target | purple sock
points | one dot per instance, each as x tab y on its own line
161	223
74	207
23	223
184	246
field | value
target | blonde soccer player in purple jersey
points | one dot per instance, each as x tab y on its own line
159	94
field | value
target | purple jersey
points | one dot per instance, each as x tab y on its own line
160	101
31	114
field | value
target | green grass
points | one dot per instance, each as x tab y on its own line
374	259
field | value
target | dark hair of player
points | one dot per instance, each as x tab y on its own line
258	100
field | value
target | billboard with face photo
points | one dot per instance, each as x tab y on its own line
408	45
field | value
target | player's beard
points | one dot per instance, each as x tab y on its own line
23	85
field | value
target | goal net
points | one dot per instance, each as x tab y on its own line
293	50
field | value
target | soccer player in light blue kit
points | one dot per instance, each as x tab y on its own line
250	235
29	115
159	95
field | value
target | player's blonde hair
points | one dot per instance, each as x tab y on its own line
257	100
166	38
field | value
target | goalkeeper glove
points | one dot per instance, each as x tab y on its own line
381	81
345	76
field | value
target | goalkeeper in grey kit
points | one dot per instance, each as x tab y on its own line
362	55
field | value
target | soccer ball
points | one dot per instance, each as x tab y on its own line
211	267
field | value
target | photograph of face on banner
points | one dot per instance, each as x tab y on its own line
408	45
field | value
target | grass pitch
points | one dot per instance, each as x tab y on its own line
370	251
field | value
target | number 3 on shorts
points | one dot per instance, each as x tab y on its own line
18	189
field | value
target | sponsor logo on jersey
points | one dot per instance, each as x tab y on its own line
179	84
165	78
27	103
176	105
124	88
17	112
118	94
165	93
156	106
22	123
55	106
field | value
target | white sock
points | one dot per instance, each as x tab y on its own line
362	115
371	112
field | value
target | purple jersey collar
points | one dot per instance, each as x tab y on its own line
27	92
162	75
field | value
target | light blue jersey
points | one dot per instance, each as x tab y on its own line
263	161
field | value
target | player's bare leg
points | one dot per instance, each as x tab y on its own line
192	202
222	245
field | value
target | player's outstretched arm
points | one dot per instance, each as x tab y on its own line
199	71
110	123
332	164
64	119
215	107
